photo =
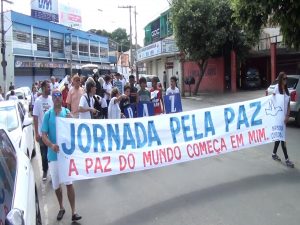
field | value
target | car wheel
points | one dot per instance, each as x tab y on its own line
298	119
37	209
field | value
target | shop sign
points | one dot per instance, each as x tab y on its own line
149	51
169	46
169	65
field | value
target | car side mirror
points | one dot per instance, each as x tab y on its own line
15	216
27	122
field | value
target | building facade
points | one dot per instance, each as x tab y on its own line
162	54
37	49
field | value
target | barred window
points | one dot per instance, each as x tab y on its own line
42	42
57	45
21	36
83	49
94	51
103	52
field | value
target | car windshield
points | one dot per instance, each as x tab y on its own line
291	82
19	95
8	118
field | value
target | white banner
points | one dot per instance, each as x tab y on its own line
97	148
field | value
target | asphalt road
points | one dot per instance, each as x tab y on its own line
245	187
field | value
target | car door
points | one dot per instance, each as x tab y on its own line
27	140
8	168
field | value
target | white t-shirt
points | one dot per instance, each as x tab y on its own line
54	86
286	98
108	88
84	104
103	103
13	97
171	91
114	111
41	105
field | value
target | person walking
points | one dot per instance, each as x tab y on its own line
165	80
41	105
133	89
49	138
86	105
281	88
74	96
143	95
114	111
173	89
156	97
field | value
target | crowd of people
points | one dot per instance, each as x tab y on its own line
94	97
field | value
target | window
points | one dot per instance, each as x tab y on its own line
21	36
21	110
42	42
103	52
9	118
74	48
83	49
8	167
57	45
94	51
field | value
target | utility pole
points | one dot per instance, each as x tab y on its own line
131	56
136	65
3	45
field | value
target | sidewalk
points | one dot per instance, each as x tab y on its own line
227	97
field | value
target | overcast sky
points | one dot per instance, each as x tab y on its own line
111	17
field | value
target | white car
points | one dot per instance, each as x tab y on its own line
22	97
16	121
18	196
149	81
293	84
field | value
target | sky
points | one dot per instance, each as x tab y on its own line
105	14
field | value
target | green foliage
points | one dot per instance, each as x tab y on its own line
119	35
207	28
254	14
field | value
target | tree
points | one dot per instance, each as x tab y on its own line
120	35
203	28
101	32
254	14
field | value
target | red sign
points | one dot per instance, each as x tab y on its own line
169	65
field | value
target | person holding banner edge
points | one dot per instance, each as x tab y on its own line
49	138
281	88
173	89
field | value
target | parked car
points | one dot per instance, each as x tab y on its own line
17	122
251	79
293	84
22	97
149	81
18	196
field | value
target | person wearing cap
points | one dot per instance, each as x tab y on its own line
65	94
49	138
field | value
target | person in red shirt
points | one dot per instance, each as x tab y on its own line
156	97
65	94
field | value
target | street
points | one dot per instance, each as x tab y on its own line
245	187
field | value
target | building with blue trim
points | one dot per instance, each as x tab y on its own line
37	49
